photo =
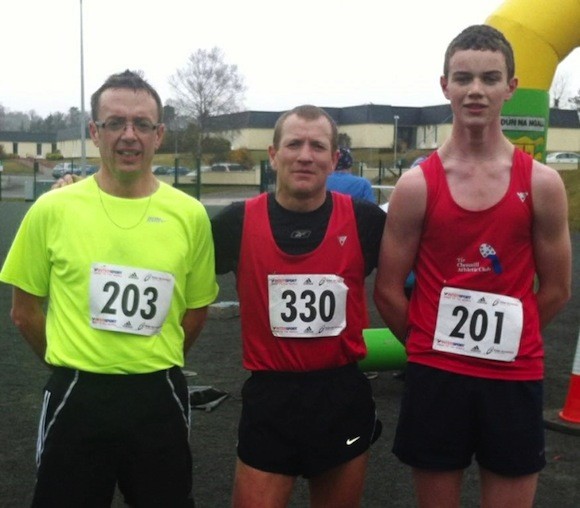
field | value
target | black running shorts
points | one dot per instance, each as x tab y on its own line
446	419
101	430
306	423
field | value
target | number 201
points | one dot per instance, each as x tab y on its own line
478	324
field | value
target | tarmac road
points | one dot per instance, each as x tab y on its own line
216	359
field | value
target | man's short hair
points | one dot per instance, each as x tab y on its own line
127	79
307	112
483	38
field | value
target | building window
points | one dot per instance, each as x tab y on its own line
15	148
38	148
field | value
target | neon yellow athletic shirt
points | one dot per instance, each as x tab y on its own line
67	230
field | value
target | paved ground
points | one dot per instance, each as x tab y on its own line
216	360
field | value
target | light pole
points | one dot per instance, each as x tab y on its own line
395	139
83	129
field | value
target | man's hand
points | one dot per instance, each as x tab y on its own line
66	180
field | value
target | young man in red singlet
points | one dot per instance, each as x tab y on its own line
477	222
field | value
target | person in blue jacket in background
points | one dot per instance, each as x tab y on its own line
343	181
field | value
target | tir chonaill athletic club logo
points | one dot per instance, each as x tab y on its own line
488	252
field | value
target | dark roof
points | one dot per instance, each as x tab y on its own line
42	137
564	118
27	137
365	113
432	115
351	115
244	120
71	134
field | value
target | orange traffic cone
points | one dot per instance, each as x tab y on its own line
568	419
571	411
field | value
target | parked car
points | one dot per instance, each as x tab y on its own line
66	168
63	168
558	157
59	169
181	170
170	170
91	169
162	170
192	175
227	166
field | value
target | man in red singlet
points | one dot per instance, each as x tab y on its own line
479	222
300	256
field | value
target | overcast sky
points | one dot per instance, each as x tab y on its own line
329	53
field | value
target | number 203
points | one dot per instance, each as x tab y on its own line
130	300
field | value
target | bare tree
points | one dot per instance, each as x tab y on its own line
559	89
575	102
207	86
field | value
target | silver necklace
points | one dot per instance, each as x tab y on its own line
111	218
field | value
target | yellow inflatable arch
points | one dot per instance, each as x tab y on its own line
542	33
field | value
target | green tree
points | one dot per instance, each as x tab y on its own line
217	148
73	118
52	123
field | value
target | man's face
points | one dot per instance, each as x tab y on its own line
477	86
128	151
304	158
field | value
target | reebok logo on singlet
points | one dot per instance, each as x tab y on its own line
300	233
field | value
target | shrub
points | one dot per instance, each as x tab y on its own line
54	156
242	156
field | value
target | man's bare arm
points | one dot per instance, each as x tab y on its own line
552	246
192	324
28	315
399	249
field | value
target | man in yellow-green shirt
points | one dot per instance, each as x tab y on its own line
126	264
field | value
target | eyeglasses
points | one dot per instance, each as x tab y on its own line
141	125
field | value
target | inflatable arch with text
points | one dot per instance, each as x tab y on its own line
542	34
